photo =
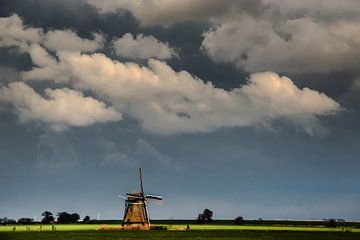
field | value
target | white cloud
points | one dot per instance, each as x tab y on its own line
142	47
280	97
69	41
60	108
284	98
14	33
166	102
296	46
47	66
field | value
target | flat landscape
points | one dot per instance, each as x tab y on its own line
179	119
177	231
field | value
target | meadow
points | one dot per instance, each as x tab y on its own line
176	232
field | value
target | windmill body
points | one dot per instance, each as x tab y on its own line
136	215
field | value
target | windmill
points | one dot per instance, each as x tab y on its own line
136	215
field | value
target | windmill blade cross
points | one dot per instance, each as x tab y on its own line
141	182
134	195
154	197
123	197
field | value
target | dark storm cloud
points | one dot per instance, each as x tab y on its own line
75	15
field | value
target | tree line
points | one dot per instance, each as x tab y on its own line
207	217
47	218
65	218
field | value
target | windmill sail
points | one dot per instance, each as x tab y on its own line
141	182
153	197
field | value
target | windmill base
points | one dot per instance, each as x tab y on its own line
136	226
132	227
125	227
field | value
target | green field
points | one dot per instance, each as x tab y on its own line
176	232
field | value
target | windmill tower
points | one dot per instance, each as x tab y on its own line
136	215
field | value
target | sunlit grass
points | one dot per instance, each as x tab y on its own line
179	227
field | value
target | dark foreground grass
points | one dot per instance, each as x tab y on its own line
178	235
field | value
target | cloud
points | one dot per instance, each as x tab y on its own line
352	97
55	151
148	153
14	33
61	108
168	102
47	66
118	158
325	10
295	46
265	35
113	155
280	97
8	74
70	41
132	156
142	47
166	12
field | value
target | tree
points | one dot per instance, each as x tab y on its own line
86	219
200	218
47	217
6	221
64	217
3	220
331	223
206	216
74	217
25	221
239	220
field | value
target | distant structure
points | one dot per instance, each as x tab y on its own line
136	215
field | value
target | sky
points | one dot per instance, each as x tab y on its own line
249	108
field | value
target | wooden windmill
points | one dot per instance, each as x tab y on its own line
136	215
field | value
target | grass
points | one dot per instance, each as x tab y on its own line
181	227
197	232
177	235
